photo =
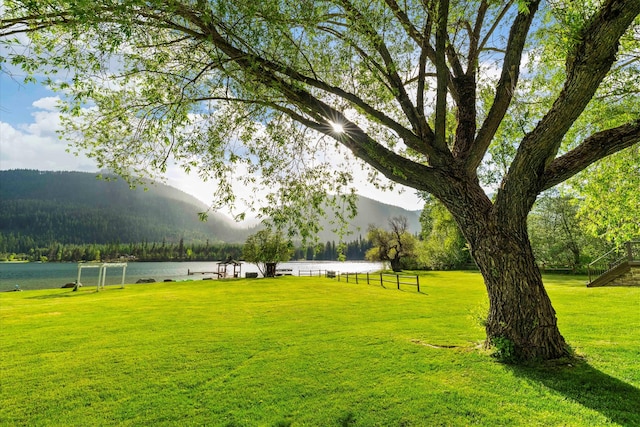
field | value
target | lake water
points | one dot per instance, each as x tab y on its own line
53	275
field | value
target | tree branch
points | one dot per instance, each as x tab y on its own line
474	37
390	164
442	72
594	148
422	77
406	23
369	61
495	24
587	65
32	22
418	123
262	68
395	167
473	151
454	59
425	51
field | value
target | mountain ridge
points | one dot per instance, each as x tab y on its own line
75	207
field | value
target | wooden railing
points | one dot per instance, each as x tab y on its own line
630	251
312	273
633	250
396	280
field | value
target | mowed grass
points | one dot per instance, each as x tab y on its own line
307	352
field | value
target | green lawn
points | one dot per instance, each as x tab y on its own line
307	352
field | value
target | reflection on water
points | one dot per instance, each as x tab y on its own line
53	275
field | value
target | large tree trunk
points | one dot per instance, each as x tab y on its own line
521	324
395	264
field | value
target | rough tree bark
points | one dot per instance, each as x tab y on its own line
521	322
520	310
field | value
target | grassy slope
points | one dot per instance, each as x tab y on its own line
306	351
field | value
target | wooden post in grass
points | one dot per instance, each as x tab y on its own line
418	282
398	280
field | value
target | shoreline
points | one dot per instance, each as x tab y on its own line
53	275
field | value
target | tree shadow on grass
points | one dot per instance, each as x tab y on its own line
69	294
591	388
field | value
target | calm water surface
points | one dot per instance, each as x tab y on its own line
34	275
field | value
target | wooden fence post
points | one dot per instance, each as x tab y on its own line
381	282
418	282
398	280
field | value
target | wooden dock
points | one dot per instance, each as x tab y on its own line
192	273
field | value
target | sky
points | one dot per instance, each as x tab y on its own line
29	140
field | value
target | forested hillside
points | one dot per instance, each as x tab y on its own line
377	213
40	208
76	207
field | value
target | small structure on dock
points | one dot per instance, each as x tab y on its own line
223	268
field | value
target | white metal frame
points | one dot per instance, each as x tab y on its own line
102	274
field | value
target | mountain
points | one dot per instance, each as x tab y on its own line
371	212
75	207
374	212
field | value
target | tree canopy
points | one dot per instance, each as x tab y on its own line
611	208
442	246
218	84
267	247
438	95
395	245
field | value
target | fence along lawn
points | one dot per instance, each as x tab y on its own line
382	279
306	351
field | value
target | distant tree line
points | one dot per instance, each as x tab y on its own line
354	250
48	221
15	247
561	239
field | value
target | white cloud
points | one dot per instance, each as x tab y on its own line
45	125
36	146
48	103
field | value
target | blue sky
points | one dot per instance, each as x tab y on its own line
28	125
28	140
17	98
